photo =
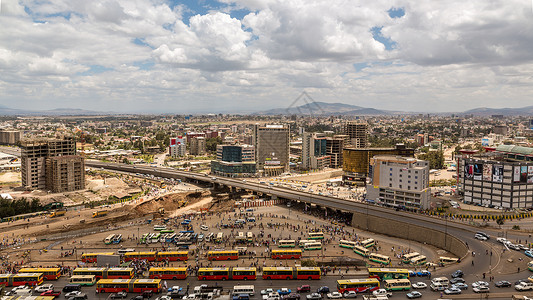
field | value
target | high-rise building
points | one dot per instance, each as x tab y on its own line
334	146
356	161
197	146
314	151
234	161
65	173
10	137
272	149
52	164
399	182
358	133
178	147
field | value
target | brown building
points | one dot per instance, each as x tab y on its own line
65	173
357	133
356	161
9	137
40	160
334	147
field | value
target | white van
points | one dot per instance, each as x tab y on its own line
440	281
243	289
204	227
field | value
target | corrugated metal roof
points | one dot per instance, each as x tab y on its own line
515	149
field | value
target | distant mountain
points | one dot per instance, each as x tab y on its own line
486	111
6	111
323	108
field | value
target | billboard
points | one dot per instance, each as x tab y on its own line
497	173
523	174
478	171
487	173
530	174
469	171
516	174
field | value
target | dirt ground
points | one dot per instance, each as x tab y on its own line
9	176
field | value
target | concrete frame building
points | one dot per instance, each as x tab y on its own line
334	147
197	146
399	182
52	164
358	133
10	137
272	149
314	151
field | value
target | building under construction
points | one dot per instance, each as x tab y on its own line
52	164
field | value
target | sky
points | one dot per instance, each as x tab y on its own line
167	56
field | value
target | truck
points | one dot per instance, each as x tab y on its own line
524	286
382	292
100	213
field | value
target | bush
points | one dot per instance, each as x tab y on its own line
516	227
309	263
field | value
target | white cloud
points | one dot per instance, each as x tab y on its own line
449	56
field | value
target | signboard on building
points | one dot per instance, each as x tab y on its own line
497	173
469	171
523	174
516	174
530	174
478	171
487	172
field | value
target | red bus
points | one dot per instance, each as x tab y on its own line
128	285
48	273
168	273
286	254
223	255
93	257
149	256
278	273
213	274
172	255
308	273
29	279
243	273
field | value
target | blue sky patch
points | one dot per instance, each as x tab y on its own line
144	65
95	69
396	12
378	36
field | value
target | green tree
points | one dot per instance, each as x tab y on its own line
435	159
212	143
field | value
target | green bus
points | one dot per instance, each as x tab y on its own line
385	273
316	235
406	258
347	244
144	237
313	246
382	259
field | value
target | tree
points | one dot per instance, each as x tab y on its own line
500	221
212	143
435	159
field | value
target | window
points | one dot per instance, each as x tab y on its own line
400	186
408	187
409	176
390	184
416	177
400	180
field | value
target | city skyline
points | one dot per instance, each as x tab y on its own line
248	56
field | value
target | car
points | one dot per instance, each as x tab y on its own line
502	283
513	246
323	289
174	288
457	280
350	294
79	297
119	295
414	294
292	296
501	240
272	296
284	291
423	273
43	288
204	227
460	285
382	292
138	297
419	285
51	293
457	274
480	283
75	293
147	294
313	296
164	298
334	295
480	237
529	253
304	288
452	291
481	289
266	291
